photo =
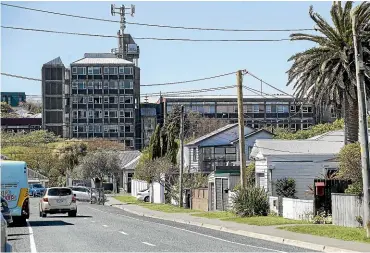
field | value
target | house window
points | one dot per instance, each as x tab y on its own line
106	100
112	114
129	70
113	85
128	100
113	100
91	99
98	100
106	70
81	85
106	85
75	128
129	84
121	99
128	113
98	85
194	154
91	85
97	114
91	114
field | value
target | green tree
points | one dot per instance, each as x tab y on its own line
155	143
325	73
7	111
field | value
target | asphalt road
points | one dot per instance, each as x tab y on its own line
109	229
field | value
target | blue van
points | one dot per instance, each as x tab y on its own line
14	189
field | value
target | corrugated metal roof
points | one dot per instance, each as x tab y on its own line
220	130
128	157
103	60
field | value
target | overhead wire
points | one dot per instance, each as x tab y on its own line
157	25
146	38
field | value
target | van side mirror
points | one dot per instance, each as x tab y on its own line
74	195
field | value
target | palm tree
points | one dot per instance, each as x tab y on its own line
325	74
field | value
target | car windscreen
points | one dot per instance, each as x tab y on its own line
59	192
38	186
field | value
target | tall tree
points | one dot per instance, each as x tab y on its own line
325	74
155	143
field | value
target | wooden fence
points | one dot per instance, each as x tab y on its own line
199	199
346	209
297	209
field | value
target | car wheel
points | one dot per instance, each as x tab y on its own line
93	200
146	199
72	213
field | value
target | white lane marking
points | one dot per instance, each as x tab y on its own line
105	226
148	244
32	239
85	218
183	229
123	233
93	221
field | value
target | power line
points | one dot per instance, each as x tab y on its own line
161	26
146	38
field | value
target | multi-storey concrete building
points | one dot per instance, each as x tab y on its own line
55	83
151	115
105	99
13	98
259	111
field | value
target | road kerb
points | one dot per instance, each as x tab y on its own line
296	243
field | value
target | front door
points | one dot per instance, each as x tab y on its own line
129	178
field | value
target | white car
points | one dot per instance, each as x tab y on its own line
58	200
143	195
83	193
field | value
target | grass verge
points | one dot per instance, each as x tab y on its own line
256	220
337	232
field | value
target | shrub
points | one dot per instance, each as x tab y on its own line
251	201
251	174
285	187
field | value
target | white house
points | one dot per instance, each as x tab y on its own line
302	160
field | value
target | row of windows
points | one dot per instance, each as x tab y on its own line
100	100
98	114
105	70
100	128
81	85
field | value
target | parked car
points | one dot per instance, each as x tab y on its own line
84	193
36	190
6	211
5	246
58	200
143	195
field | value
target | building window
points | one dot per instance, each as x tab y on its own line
129	128
90	70
121	99
128	113
97	114
293	127
129	142
113	71
292	108
121	70
106	114
113	100
81	114
74	70
112	114
74	100
194	155
129	70
128	100
129	84
91	114
91	85
121	84
81	85
106	100
98	100
74	85
98	85
106	70
106	85
91	100
97	128
106	128
79	71
96	71
305	126
268	108
91	128
74	114
113	129
113	85
75	128
82	100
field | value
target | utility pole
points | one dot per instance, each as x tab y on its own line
181	156
364	135
239	86
122	50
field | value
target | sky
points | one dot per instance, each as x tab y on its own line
23	52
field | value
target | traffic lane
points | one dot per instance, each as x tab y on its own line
186	237
60	233
19	238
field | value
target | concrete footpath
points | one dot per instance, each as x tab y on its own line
269	233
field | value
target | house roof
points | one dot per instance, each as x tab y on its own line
295	147
204	137
337	136
101	59
251	134
128	159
